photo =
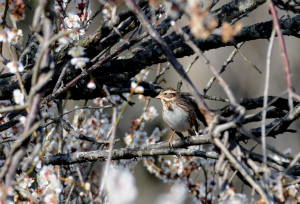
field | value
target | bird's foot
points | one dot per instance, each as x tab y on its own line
171	140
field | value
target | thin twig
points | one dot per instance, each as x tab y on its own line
61	76
44	50
245	58
85	107
292	164
110	149
236	171
264	114
216	98
161	73
179	84
13	108
8	140
92	68
190	43
167	51
225	64
3	24
241	169
16	146
283	53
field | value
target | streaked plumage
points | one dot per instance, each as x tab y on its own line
180	111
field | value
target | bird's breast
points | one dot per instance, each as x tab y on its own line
176	118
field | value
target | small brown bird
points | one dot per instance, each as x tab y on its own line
180	111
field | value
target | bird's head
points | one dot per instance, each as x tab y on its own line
167	94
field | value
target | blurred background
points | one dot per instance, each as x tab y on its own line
243	80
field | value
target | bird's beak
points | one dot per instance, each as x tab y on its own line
158	96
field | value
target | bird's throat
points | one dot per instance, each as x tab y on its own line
168	105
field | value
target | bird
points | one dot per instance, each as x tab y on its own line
180	111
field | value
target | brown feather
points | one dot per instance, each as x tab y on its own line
184	101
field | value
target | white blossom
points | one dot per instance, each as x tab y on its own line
142	76
87	186
81	32
157	133
136	88
18	96
62	42
49	198
37	162
292	190
120	186
177	195
91	85
76	51
128	139
3	37
22	119
24	181
13	36
13	66
106	14
48	180
74	36
150	113
79	62
72	20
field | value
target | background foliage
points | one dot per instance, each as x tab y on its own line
78	122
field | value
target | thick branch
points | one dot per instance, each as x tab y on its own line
161	148
235	9
118	72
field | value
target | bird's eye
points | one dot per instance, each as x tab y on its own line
165	94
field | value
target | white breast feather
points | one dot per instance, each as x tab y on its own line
177	119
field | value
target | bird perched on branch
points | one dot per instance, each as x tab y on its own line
180	111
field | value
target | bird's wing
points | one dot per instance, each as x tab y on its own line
189	97
180	135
